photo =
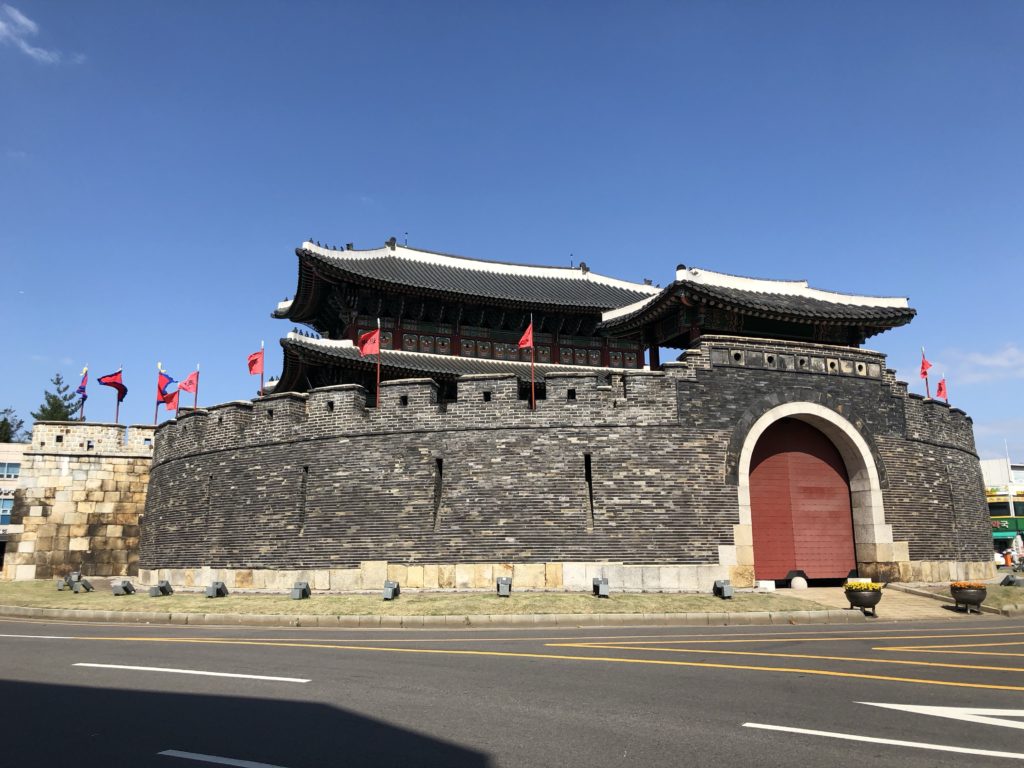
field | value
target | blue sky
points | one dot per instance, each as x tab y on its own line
160	162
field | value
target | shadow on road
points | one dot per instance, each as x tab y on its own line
85	727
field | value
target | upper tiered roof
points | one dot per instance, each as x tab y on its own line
407	269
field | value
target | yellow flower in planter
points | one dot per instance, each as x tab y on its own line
863	586
967	585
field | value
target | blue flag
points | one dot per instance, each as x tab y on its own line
81	387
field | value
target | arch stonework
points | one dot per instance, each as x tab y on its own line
878	556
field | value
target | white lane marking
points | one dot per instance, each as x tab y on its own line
214	759
970	714
44	637
891	742
193	672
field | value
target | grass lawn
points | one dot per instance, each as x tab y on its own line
43	594
998	597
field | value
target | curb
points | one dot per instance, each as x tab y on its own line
473	621
1018	610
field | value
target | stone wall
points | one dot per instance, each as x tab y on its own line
319	484
81	493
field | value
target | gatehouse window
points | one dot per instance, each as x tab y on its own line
10	471
6	505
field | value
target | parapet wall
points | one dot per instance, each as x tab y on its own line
640	398
635	469
81	492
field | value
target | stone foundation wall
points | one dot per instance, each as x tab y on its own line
369	577
79	499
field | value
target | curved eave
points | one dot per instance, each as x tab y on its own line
851	315
326	268
872	320
662	304
307	292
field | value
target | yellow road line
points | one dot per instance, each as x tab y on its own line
775	639
859	659
561	657
952	653
968	645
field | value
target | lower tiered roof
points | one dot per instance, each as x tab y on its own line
304	353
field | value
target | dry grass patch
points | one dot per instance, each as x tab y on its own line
43	594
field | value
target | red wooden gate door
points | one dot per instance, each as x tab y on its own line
800	504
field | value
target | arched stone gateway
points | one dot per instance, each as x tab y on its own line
800	504
831	487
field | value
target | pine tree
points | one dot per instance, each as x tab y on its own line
59	405
11	427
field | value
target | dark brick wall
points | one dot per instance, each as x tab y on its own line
320	481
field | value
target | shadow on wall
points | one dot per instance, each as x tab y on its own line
86	727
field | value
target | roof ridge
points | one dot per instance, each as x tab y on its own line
801	288
481	265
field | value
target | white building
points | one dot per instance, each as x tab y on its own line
1004	491
11	455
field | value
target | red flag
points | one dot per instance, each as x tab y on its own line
369	343
527	341
190	384
256	363
114	380
171	400
163	381
940	391
925	365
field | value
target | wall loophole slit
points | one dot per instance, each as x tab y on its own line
588	476
438	488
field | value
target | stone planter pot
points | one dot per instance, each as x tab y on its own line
865	599
969	598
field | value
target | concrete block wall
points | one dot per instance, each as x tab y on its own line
80	495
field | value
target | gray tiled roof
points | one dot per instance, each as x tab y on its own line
779	306
786	306
506	283
423	364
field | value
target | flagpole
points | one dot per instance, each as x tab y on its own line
195	395
927	389
117	405
156	407
263	364
81	412
379	355
533	378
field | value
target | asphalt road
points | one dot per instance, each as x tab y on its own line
595	697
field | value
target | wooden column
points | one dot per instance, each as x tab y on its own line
655	355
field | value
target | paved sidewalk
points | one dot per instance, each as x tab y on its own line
895	605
